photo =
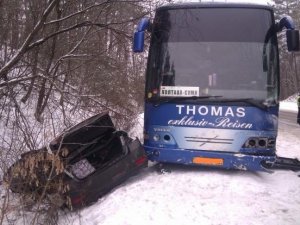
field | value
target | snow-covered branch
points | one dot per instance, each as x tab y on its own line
19	54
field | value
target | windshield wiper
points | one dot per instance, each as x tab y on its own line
259	104
251	101
162	101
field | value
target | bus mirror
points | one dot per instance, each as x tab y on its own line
138	41
139	35
292	38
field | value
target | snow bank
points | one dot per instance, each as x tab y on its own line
137	130
288	106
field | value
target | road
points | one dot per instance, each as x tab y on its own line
288	124
289	118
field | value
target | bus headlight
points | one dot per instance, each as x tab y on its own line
260	142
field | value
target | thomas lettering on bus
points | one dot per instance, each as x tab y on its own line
211	110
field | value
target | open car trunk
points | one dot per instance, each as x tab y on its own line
89	146
80	165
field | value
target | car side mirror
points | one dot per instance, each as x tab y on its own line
292	38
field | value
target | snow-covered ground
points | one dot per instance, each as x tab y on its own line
195	195
289	106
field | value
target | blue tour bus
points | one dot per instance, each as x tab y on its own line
212	84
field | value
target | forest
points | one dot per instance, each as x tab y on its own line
62	61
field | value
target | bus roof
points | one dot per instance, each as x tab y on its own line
213	5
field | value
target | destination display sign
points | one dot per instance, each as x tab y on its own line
178	91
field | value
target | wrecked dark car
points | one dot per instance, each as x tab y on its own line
79	166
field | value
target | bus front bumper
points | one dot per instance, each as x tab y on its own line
225	160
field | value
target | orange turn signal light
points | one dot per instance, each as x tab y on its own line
208	161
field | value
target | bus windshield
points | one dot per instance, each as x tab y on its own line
226	52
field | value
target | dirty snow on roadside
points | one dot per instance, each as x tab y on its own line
196	195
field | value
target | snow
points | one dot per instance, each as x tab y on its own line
197	195
288	106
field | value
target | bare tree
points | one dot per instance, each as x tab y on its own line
289	62
67	42
60	62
